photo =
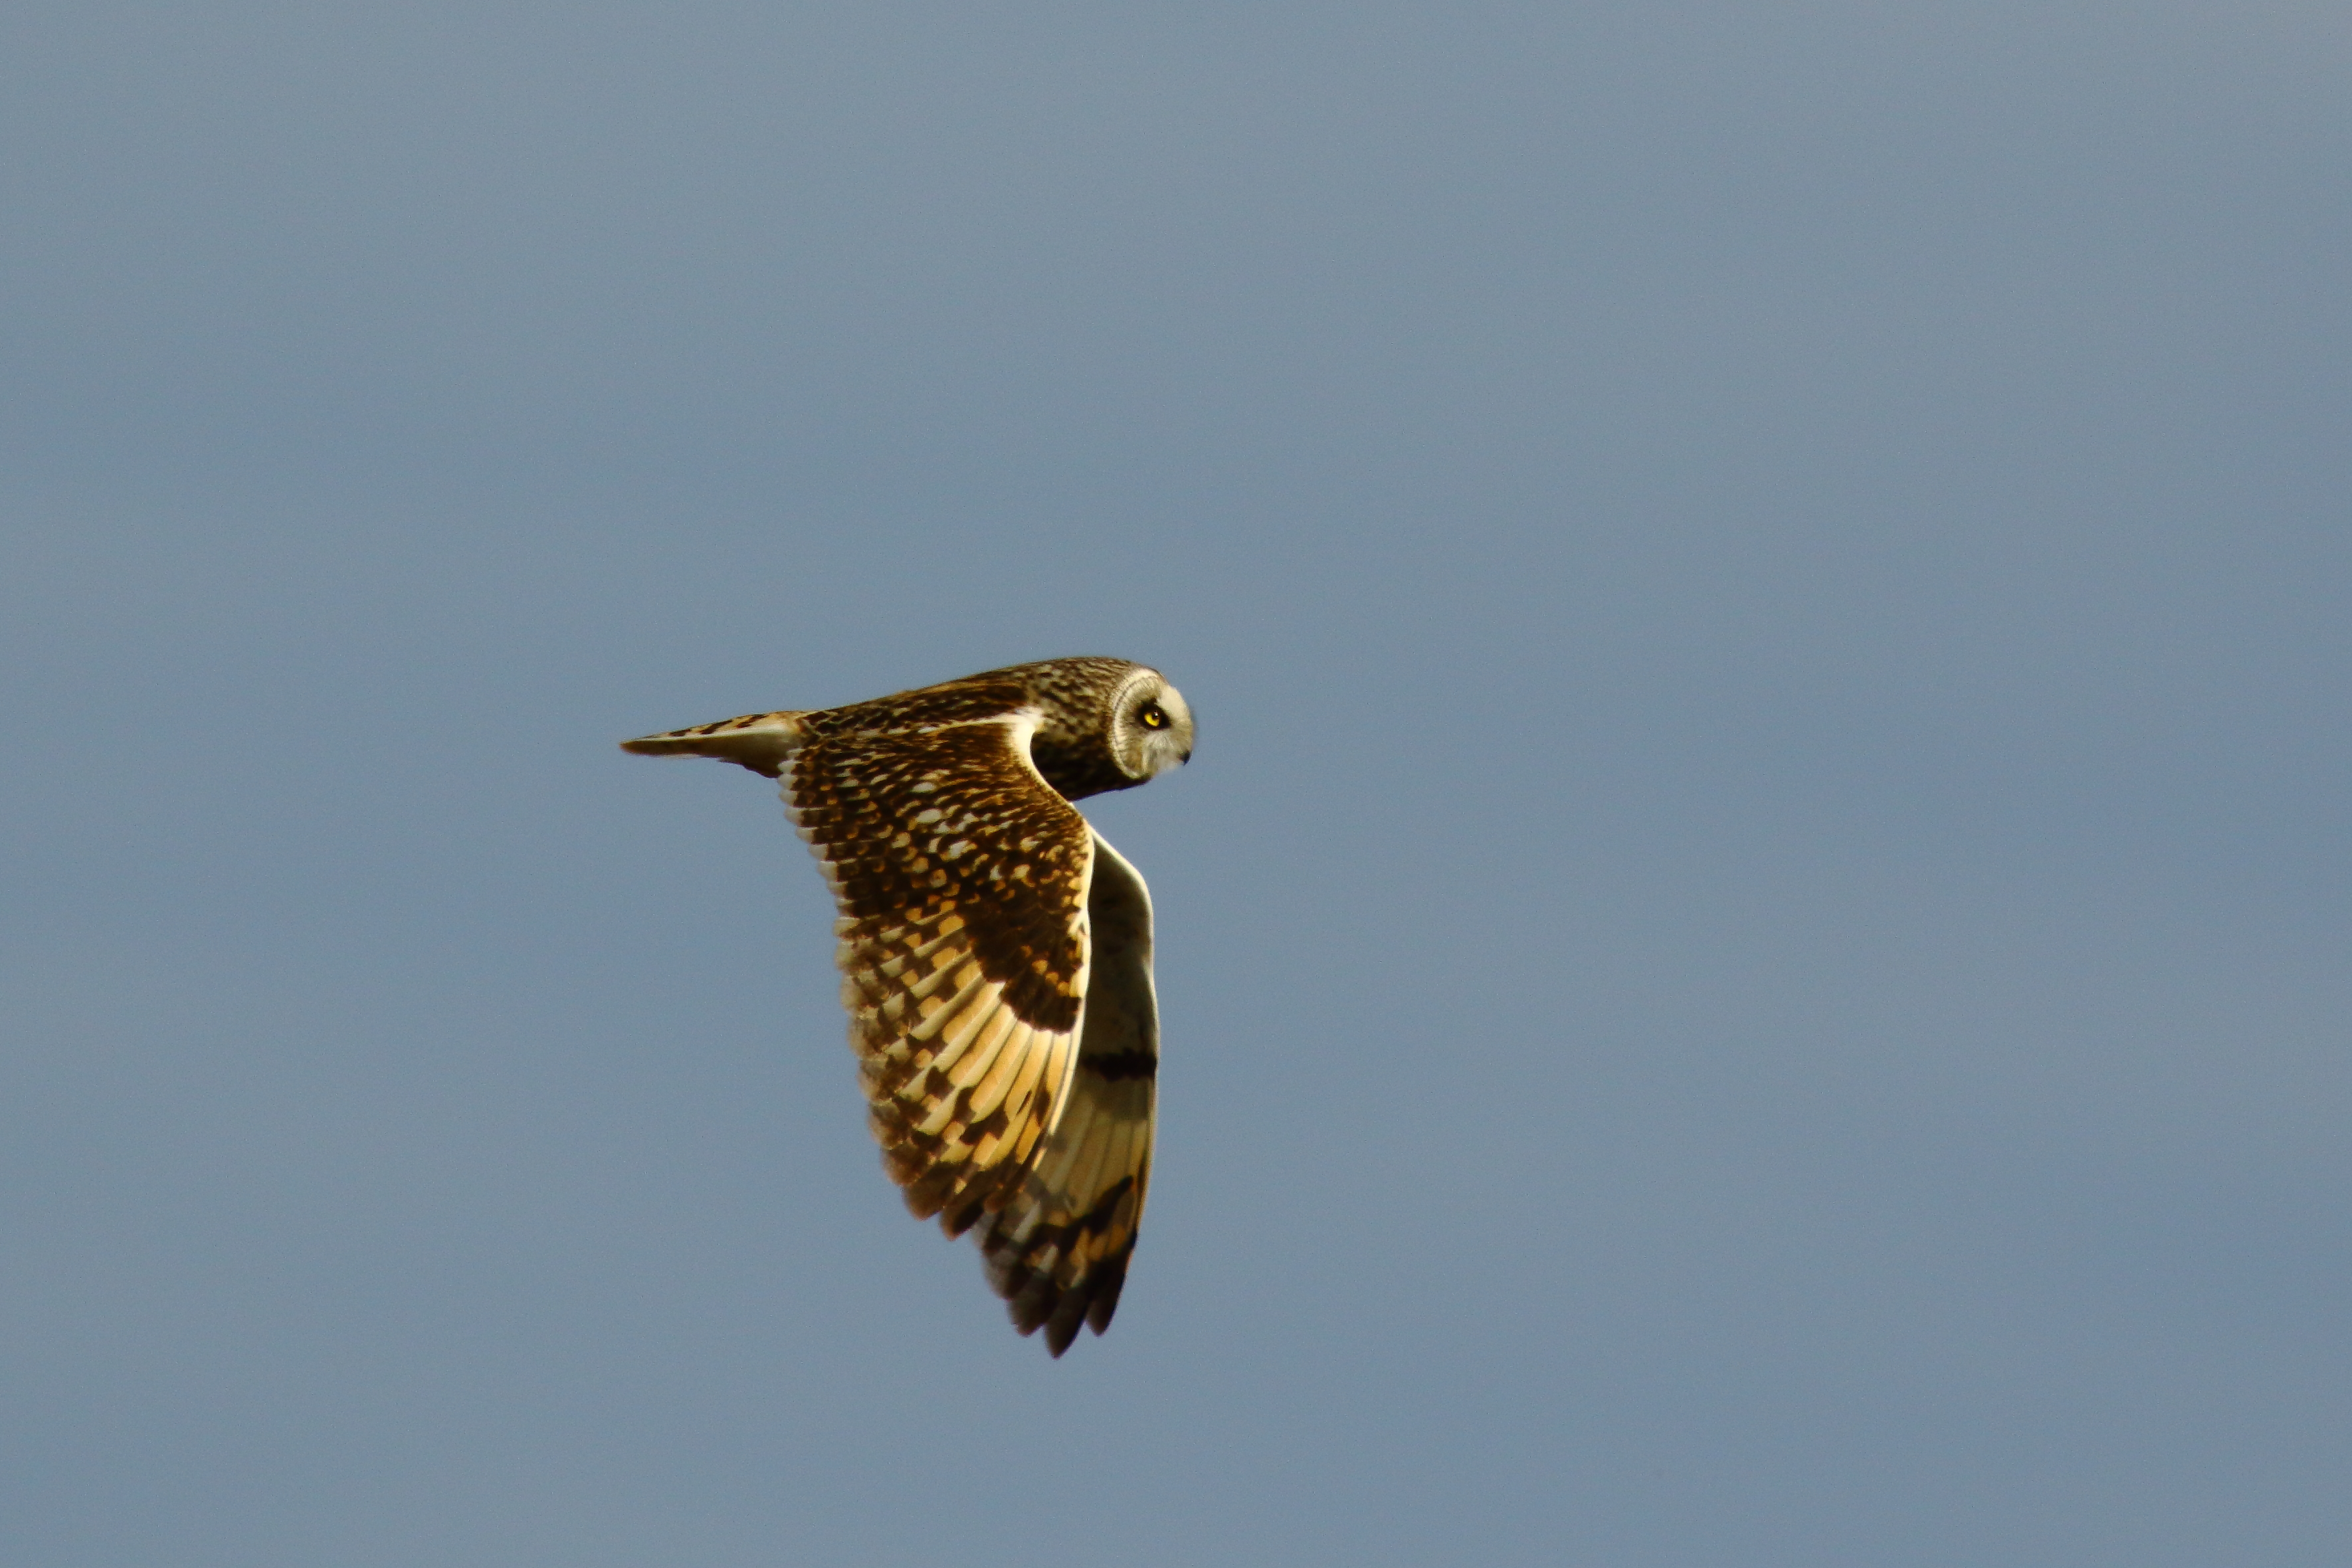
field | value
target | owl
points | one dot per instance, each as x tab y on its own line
995	952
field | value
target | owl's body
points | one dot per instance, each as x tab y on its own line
996	951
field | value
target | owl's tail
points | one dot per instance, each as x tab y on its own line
760	741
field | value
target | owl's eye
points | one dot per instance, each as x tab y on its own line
1154	718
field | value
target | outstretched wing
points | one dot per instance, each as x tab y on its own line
962	879
1057	1248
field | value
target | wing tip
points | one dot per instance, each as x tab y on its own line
1090	1301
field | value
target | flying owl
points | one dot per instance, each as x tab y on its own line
996	951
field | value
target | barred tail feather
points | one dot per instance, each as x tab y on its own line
762	742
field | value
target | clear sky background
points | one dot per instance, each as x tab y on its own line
1753	956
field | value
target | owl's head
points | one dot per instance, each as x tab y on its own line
1151	726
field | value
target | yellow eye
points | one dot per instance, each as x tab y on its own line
1154	718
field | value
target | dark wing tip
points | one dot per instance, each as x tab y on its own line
1090	1301
1111	1278
1062	1327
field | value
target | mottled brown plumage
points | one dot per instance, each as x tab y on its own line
995	951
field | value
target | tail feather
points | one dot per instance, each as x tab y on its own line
762	742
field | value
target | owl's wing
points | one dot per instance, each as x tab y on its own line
961	881
1058	1249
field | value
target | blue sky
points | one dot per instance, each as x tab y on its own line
1752	955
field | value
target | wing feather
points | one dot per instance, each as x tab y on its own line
1057	1245
962	880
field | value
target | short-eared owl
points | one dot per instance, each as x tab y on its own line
996	951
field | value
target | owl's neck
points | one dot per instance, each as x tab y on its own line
1077	770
